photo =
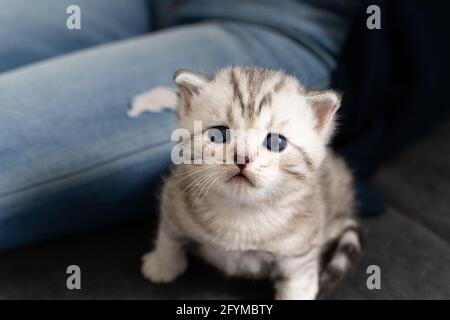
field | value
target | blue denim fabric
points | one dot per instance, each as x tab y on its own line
70	158
35	30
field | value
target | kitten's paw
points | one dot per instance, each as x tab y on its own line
295	295
154	100
160	269
287	291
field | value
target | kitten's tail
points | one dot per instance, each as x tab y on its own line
339	257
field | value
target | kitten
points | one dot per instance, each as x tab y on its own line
289	219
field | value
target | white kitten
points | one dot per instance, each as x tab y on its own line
281	208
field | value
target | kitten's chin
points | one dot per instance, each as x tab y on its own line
249	190
246	188
240	189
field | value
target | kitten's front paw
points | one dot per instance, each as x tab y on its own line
159	269
290	291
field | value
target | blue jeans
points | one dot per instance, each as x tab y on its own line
70	158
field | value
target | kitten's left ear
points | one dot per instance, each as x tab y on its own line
324	104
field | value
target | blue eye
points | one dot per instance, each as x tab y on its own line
275	142
219	134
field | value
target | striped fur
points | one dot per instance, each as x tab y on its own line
277	221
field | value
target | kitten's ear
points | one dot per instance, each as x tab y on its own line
324	104
188	84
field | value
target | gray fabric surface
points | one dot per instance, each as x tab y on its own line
410	243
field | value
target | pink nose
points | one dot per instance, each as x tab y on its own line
241	162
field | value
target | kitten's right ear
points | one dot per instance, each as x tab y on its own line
189	84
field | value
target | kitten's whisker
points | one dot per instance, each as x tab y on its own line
194	183
190	174
201	188
210	186
195	168
199	183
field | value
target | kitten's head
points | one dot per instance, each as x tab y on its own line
279	130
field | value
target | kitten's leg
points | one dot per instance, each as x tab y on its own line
168	258
298	277
235	263
341	252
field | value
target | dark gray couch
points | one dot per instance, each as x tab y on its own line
410	243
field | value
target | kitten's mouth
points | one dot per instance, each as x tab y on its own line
240	178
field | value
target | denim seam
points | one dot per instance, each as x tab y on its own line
81	171
320	83
312	49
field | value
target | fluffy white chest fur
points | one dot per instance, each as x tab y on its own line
272	208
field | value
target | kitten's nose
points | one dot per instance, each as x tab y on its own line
241	162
